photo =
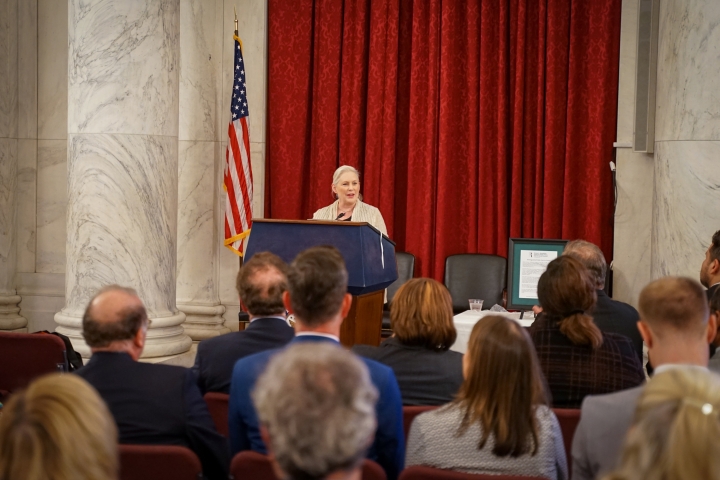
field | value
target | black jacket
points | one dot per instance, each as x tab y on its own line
158	405
216	356
612	316
425	377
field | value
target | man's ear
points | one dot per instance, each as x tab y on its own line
714	267
346	305
243	307
645	333
286	301
712	330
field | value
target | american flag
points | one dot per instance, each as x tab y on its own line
238	182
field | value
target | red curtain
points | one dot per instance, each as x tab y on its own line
471	121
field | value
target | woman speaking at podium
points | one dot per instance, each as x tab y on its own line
348	206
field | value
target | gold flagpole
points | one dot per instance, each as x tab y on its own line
236	21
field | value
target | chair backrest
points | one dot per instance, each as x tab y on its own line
429	473
568	418
409	414
474	275
218	405
26	356
150	462
406	271
256	466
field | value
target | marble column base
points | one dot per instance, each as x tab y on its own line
165	337
10	318
203	321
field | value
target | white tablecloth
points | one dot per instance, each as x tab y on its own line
465	321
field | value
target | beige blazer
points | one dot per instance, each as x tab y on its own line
362	213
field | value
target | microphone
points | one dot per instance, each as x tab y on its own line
612	166
340	216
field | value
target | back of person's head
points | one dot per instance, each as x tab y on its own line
715	302
317	404
710	269
114	315
57	429
675	307
591	256
676	430
317	283
567	292
421	314
503	386
261	282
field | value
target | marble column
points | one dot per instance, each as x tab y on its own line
123	162
10	318
200	158
687	137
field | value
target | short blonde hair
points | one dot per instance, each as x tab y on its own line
421	314
676	430
58	429
343	169
679	304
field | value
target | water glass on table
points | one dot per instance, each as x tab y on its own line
476	304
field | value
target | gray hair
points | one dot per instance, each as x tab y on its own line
342	169
591	257
318	405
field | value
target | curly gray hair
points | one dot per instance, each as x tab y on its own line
318	405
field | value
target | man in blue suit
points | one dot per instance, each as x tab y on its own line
317	296
260	283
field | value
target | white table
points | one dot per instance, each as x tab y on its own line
465	321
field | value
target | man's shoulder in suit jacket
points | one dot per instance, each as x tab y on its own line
613	316
599	437
157	405
216	356
711	291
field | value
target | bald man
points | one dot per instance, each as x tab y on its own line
152	404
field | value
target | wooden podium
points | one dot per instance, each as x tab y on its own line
369	258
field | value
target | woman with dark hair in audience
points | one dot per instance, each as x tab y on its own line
421	316
500	423
575	356
58	429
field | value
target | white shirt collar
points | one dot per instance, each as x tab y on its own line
317	334
279	317
669	366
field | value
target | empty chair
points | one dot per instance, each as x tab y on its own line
429	473
409	414
24	357
406	271
217	404
474	275
150	462
256	466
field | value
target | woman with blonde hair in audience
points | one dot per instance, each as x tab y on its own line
57	429
421	316
575	356
500	423
676	429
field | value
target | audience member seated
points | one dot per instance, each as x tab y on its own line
428	372
500	423
609	315
714	363
317	296
260	283
316	406
152	404
575	356
710	269
676	430
57	429
675	325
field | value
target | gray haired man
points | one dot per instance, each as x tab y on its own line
316	405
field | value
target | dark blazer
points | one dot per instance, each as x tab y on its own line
711	291
388	448
612	316
575	371
158	405
216	356
426	377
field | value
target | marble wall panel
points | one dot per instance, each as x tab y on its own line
51	206
8	185
123	208
52	73
27	68
685	206
8	68
201	44
626	81
688	76
25	202
198	235
43	294
123	67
